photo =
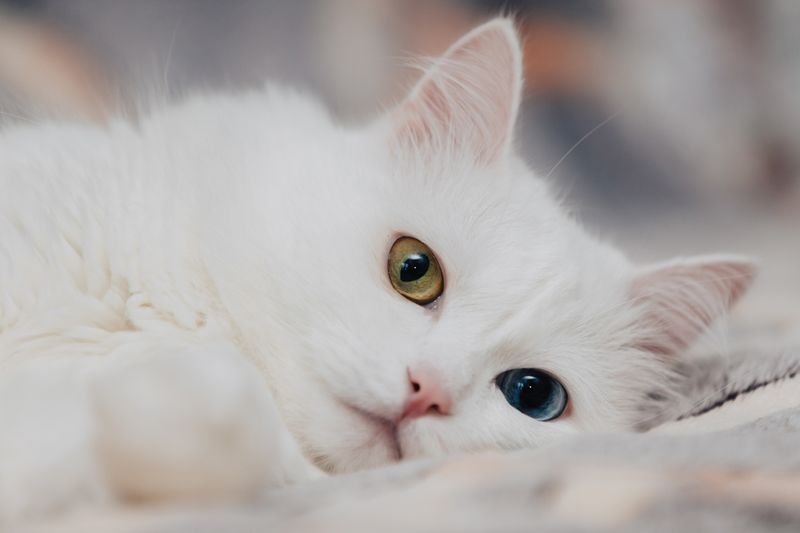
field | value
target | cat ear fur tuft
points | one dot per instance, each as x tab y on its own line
468	100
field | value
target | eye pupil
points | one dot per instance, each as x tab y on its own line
414	267
534	393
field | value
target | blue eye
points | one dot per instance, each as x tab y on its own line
533	392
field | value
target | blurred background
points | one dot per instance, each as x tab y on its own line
671	126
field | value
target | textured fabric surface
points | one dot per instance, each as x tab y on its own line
707	382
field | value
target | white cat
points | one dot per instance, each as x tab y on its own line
236	292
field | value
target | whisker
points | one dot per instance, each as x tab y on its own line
580	141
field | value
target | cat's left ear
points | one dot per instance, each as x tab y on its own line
678	301
467	102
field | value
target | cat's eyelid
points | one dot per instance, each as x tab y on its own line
435	306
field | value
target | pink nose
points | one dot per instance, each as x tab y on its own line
428	396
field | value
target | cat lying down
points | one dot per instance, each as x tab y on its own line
236	294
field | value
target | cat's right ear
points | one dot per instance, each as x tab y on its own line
467	102
679	300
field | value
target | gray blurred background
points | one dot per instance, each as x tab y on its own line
671	126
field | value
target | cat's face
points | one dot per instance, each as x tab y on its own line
519	287
435	298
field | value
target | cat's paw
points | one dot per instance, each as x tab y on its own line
191	424
47	464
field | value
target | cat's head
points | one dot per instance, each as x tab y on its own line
428	295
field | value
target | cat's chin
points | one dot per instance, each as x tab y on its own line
378	445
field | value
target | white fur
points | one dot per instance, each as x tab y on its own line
243	238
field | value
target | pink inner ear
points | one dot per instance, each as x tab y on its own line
427	116
468	100
680	301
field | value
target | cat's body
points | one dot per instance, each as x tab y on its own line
102	264
198	305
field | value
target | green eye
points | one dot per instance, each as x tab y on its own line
414	271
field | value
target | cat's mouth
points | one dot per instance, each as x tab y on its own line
384	432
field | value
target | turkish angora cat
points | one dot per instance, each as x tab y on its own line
236	293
